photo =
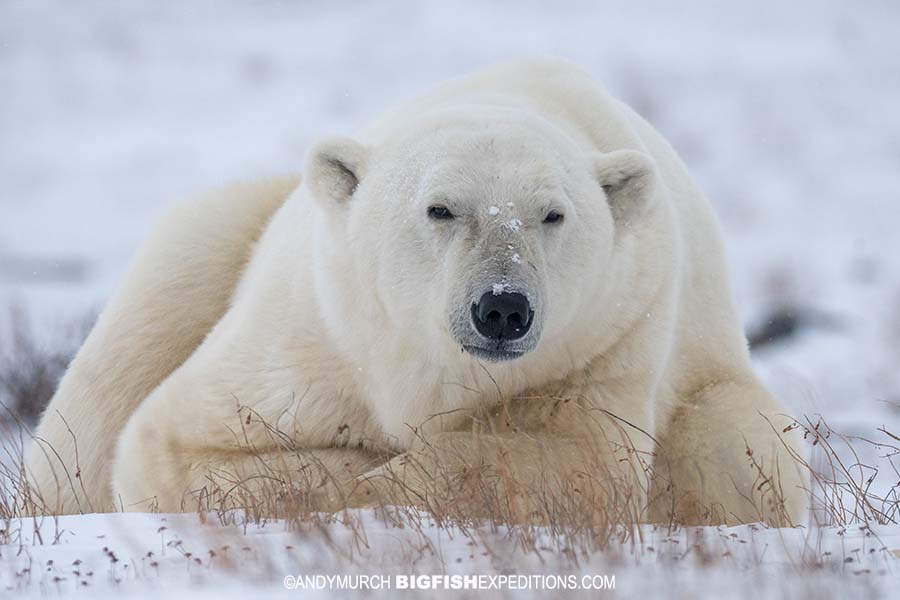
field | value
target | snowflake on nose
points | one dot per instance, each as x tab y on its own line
513	225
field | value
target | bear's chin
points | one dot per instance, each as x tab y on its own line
493	355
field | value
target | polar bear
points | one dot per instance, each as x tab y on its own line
511	274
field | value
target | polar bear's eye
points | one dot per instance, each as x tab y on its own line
439	212
553	217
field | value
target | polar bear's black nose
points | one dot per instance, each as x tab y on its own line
504	316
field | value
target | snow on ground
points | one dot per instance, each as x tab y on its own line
784	112
180	556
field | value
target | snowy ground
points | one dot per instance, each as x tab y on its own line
177	555
785	113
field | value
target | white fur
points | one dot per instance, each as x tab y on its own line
177	287
346	326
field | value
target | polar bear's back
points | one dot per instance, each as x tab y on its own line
557	90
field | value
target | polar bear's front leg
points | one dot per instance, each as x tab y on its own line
583	459
724	458
184	450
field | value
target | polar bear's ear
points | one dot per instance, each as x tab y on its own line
334	168
627	177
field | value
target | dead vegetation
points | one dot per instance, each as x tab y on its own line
478	496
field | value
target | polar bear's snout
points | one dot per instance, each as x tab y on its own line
500	324
503	316
498	313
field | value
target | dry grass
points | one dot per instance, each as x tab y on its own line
481	497
850	492
597	510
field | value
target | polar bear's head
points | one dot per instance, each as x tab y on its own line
486	234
